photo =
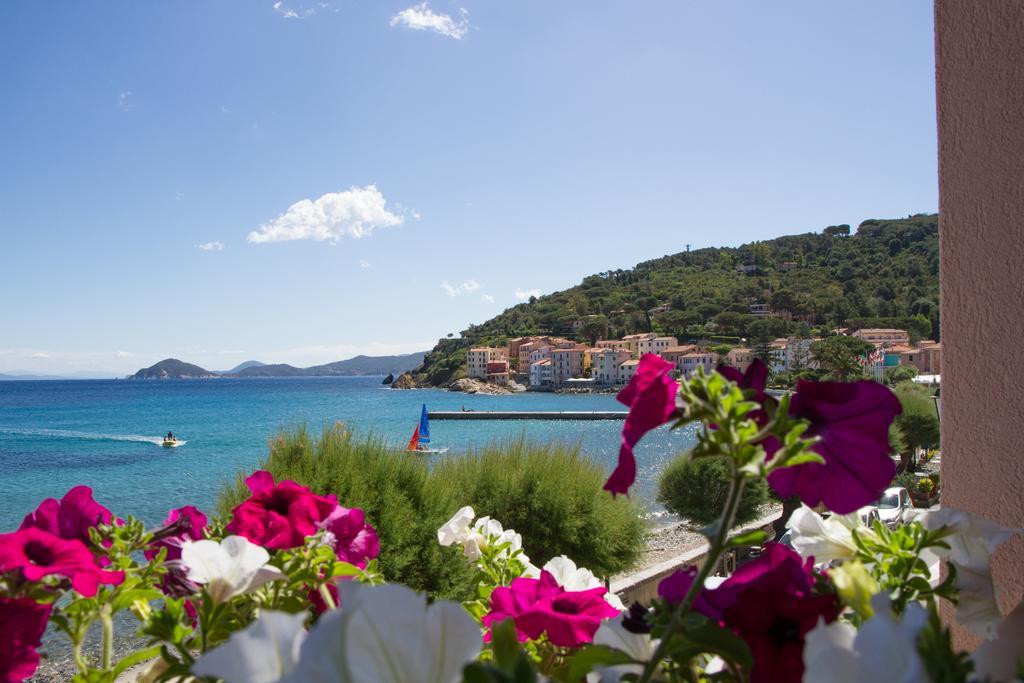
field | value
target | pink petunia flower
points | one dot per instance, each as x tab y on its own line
570	619
279	516
509	602
182	524
651	398
37	554
22	623
852	420
354	540
71	517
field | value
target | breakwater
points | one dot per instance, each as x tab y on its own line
528	415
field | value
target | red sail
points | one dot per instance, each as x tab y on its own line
415	441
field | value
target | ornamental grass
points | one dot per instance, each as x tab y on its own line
550	493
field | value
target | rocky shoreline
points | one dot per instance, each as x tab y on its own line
467	385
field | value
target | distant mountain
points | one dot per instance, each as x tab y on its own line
371	365
274	370
173	368
360	365
12	377
243	366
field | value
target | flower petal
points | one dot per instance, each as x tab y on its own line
263	652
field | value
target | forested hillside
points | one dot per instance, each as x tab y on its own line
885	274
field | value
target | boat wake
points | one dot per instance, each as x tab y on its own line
88	436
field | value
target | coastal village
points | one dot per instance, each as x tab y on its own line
556	363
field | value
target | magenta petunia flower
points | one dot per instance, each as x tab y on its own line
509	602
354	540
651	398
570	619
71	517
852	420
279	516
674	587
770	602
182	524
22	623
37	554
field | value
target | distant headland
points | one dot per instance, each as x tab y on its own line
172	368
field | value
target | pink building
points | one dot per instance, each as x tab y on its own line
566	364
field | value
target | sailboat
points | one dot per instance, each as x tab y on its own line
420	441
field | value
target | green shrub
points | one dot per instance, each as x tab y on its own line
552	496
548	493
696	490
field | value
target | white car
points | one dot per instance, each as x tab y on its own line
893	506
868	515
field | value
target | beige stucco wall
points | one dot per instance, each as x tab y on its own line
980	88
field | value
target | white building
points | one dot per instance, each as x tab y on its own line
640	344
540	373
627	370
478	358
660	344
538	354
604	364
688	363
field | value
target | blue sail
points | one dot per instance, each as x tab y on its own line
424	426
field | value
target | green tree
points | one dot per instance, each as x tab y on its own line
696	491
838	357
900	373
594	328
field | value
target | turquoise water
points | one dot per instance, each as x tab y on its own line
106	433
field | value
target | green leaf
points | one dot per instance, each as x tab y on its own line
712	638
591	657
136	658
345	569
804	458
755	537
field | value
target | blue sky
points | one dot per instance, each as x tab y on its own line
303	181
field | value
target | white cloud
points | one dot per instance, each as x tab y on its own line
124	101
125	354
39	355
525	294
178	196
421	18
467	286
210	246
415	214
289	13
488	298
224	109
356	212
363	263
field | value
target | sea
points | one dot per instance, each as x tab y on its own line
107	434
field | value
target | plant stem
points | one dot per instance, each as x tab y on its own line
79	660
108	637
725	523
325	593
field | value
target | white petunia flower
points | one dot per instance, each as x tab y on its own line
574	579
263	652
229	568
824	539
455	529
389	634
971	544
882	651
613	634
997	659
